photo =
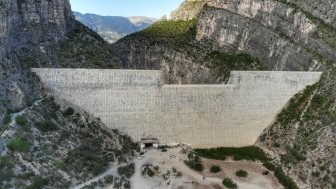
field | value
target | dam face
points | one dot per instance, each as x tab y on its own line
138	103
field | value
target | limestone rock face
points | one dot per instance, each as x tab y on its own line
179	67
28	28
29	22
188	10
283	36
280	36
325	10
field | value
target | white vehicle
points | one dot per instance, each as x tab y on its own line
172	156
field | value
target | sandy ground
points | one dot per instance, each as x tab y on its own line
194	180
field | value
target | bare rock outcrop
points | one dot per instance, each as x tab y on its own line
27	22
28	29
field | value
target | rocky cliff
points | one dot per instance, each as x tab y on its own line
32	22
35	33
27	25
170	45
188	10
283	36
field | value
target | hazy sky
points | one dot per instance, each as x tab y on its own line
149	8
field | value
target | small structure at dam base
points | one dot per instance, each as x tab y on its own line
138	103
149	143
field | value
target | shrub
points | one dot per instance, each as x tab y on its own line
68	112
241	173
127	170
197	166
6	119
286	181
59	165
6	169
88	157
147	170
247	153
109	179
229	183
194	162
21	120
38	183
20	144
46	126
215	169
92	185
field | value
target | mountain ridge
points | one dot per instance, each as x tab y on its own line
112	28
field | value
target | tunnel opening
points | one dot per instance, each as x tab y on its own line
149	143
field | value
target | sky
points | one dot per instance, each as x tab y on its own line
149	8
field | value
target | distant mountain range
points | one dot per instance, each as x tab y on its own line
112	28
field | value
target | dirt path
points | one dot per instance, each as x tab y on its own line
113	170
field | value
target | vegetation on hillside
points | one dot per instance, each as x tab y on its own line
20	144
325	31
85	48
63	141
304	129
171	29
178	36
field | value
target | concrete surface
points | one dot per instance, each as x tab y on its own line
138	103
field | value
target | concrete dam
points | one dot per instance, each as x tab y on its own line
138	103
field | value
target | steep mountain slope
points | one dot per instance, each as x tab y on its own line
170	45
303	137
44	145
38	34
198	44
282	36
27	24
112	28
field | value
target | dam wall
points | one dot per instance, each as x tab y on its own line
138	103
